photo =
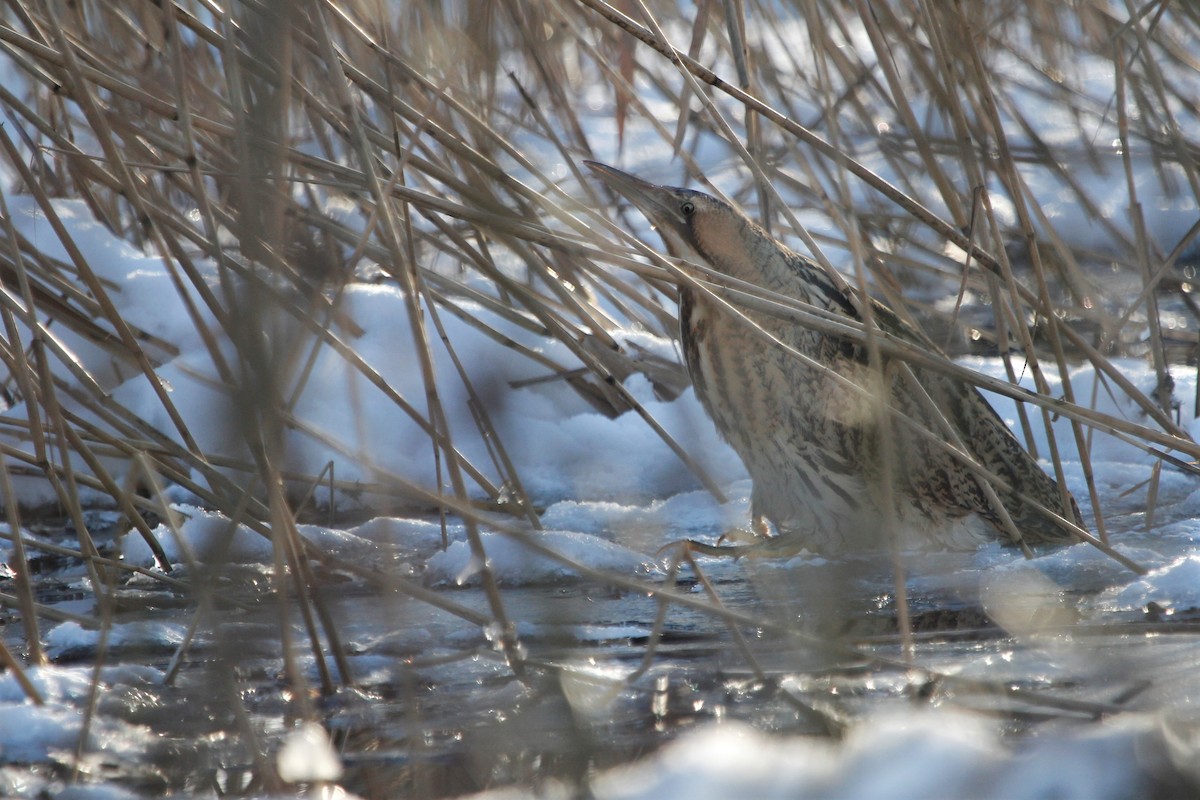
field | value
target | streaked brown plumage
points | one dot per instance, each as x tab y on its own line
811	444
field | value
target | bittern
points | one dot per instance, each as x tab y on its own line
810	425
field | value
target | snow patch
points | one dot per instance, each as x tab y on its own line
515	564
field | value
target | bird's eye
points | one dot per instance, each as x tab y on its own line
687	208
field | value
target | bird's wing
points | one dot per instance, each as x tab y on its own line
989	438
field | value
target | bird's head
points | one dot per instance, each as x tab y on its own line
693	225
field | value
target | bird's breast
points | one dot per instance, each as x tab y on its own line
748	383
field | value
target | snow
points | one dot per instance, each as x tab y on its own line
307	756
204	536
70	640
920	755
514	564
32	733
564	449
1176	586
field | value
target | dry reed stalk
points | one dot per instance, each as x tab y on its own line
439	157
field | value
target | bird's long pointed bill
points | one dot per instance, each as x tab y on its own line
648	197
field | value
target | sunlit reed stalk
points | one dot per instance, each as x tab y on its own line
446	160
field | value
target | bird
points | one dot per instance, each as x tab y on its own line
805	408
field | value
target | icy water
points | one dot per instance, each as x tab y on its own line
432	709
